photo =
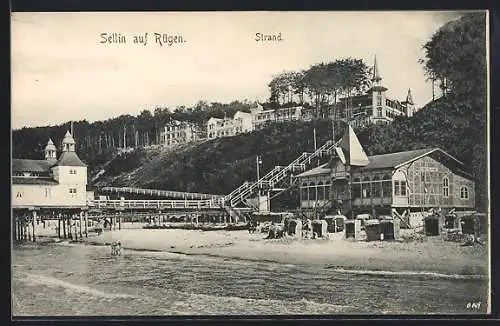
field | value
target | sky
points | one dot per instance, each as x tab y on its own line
61	71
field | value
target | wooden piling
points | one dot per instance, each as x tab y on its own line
80	225
59	227
33	225
86	225
68	221
21	229
14	231
28	229
64	227
120	222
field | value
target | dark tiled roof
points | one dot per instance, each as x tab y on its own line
394	159
22	165
391	160
69	159
33	181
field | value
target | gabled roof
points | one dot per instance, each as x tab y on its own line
398	159
23	165
33	181
69	159
322	169
393	160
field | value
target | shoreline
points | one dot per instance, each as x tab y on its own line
431	256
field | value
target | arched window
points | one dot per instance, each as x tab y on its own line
312	191
379	111
321	191
304	191
446	187
464	193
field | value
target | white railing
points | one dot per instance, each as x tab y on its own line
156	204
162	193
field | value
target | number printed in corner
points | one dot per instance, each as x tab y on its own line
474	305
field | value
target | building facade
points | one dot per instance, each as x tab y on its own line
370	108
178	132
402	182
373	107
240	123
50	183
217	127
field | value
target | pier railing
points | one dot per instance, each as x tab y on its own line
155	204
161	193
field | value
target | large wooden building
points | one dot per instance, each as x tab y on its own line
395	183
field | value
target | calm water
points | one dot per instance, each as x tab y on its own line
55	279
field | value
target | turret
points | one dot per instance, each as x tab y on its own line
409	105
376	79
50	151
68	143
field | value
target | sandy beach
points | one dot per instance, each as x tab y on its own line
433	255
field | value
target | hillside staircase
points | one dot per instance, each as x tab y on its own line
274	177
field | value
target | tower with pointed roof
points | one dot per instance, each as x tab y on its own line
50	151
68	143
69	169
377	91
408	104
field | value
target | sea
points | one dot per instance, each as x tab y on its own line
65	279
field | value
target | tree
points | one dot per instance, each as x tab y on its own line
456	56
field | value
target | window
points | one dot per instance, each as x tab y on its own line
379	111
376	186
464	193
366	187
386	186
72	191
446	187
320	191
312	191
379	100
47	192
403	188
327	191
72	171
356	188
304	191
19	194
397	189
